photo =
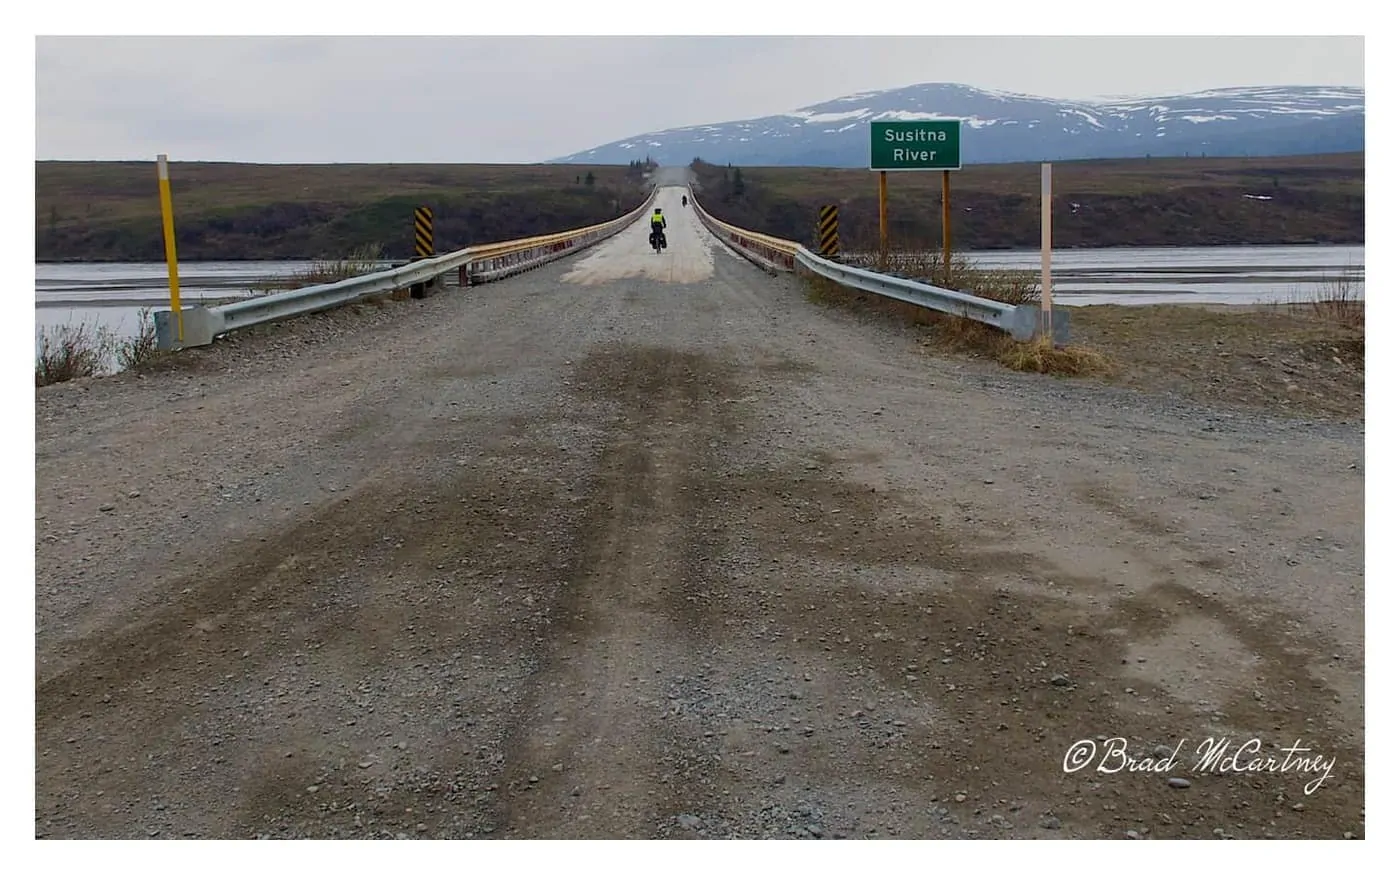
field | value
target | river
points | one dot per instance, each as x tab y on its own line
1196	275
112	295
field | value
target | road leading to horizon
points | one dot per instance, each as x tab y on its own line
640	545
689	256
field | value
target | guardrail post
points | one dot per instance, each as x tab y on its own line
828	240
1028	322
200	327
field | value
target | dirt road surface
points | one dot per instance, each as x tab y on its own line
640	545
689	256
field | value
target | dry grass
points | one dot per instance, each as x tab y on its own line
141	349
1042	357
960	274
967	336
86	349
366	259
1338	300
71	351
1302	359
943	333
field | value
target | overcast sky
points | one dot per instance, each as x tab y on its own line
525	99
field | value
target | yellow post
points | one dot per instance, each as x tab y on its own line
167	215
947	228
884	226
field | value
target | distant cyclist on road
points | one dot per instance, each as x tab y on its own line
658	226
682	200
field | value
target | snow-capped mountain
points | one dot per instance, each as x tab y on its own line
1001	126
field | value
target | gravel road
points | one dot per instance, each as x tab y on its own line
641	545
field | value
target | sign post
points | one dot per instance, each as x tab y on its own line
167	217
884	227
947	228
1047	324
925	144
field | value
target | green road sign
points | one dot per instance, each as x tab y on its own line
919	145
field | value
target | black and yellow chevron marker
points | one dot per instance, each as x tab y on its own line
423	233
828	242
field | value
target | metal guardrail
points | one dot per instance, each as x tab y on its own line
1022	322
494	261
482	263
763	250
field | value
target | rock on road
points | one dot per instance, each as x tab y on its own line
640	545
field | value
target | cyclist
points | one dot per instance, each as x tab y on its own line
682	200
658	226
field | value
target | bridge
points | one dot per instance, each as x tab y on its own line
647	545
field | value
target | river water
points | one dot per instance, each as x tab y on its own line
1204	275
112	295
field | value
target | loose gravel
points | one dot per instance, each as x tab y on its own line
657	556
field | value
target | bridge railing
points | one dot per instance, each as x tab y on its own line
763	250
474	264
1022	322
494	261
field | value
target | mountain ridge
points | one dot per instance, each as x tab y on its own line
1007	127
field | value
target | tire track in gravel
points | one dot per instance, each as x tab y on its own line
594	756
336	422
326	598
601	528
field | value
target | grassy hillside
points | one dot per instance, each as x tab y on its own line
110	211
1129	202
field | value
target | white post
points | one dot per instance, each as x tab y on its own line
1045	301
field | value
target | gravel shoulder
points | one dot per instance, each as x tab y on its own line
677	556
1296	360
